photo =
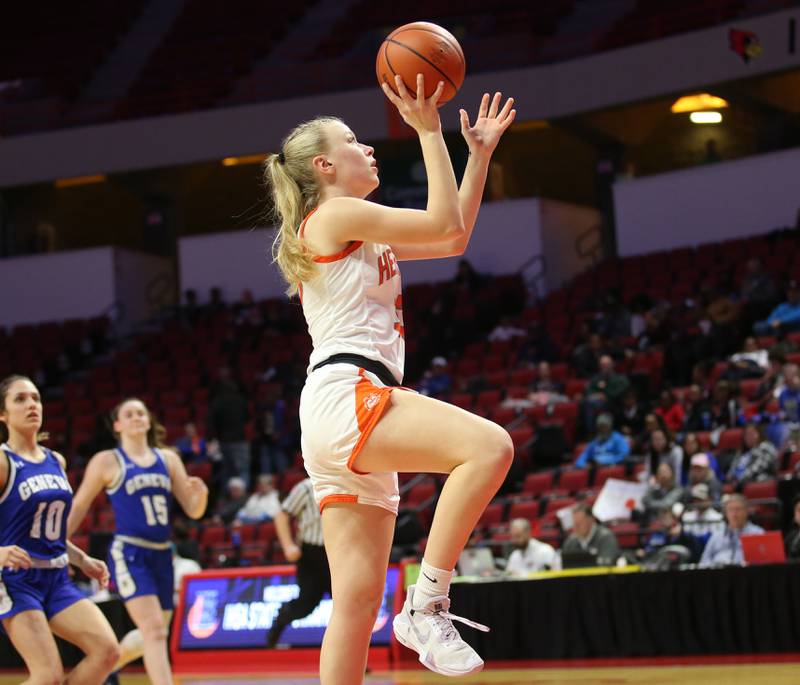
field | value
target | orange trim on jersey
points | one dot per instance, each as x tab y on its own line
371	401
352	247
327	259
337	499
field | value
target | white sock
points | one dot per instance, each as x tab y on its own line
432	582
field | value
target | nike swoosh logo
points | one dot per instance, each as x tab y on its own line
433	580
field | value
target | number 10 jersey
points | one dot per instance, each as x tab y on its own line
34	505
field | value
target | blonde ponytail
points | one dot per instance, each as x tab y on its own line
294	187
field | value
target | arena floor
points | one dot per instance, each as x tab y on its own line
736	674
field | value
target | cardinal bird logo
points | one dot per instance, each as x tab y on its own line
746	44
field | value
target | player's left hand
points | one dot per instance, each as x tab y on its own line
96	569
491	123
195	485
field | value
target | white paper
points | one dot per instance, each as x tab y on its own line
618	499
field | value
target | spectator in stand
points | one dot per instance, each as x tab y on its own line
757	461
609	447
505	331
670	410
789	399
785	318
631	414
537	346
652	423
247	312
723	314
698	414
604	391
529	555
670	532
792	539
751	362
662	494
615	319
544	390
263	504
758	292
663	450
700	471
191	446
700	518
586	356
436	381
725	409
590	536
227	421
229	506
467	278
724	547
270	426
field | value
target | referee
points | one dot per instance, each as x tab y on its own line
313	574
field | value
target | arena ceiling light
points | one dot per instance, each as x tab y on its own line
80	181
244	159
698	103
705	117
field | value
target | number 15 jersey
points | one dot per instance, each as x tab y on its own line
142	498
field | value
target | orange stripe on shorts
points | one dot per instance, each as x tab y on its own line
371	402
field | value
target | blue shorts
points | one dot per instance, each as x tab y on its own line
139	571
49	590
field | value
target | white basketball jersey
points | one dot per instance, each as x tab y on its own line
355	305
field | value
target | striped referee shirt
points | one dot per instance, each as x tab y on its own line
301	504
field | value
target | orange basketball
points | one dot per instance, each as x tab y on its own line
422	48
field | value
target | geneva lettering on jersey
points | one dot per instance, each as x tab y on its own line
387	266
147	480
39	483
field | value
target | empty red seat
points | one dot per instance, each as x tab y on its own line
606	472
213	535
524	510
627	534
492	515
573	480
762	490
730	439
421	492
538	483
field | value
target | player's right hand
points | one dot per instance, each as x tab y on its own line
14	557
293	553
418	112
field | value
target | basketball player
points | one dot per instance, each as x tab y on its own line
37	598
340	253
140	478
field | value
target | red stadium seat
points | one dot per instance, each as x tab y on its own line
573	480
213	534
606	472
538	483
730	439
761	490
525	510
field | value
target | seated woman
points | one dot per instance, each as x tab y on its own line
758	459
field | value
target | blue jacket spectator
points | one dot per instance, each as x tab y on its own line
724	547
786	316
609	447
789	399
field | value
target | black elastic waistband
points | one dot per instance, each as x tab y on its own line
370	365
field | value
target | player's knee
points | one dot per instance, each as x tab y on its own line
52	674
495	451
363	602
108	653
154	631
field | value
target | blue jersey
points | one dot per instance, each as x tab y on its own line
34	505
142	499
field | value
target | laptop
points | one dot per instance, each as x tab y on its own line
577	559
477	561
763	548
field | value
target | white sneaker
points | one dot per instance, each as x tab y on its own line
430	632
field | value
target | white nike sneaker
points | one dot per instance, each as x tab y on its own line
430	632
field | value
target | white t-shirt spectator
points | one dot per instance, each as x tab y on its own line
260	507
537	556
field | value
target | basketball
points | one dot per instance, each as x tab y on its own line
422	48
